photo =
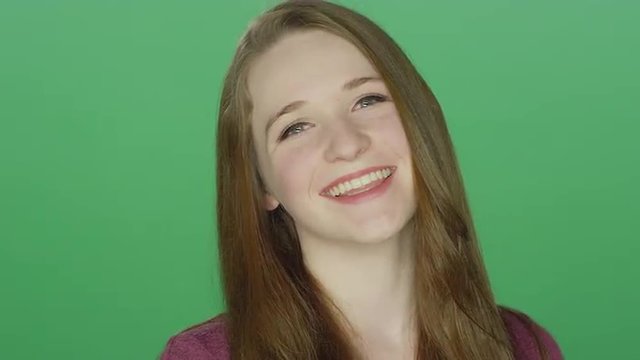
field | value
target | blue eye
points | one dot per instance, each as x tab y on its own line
371	100
294	129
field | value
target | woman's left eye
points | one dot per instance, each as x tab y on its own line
371	100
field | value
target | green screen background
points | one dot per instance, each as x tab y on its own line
107	124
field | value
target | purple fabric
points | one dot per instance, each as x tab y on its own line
520	327
207	341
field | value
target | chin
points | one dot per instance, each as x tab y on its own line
374	235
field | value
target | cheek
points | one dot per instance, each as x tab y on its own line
392	133
294	170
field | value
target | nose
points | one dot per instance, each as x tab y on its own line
346	142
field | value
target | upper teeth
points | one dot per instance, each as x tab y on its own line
359	182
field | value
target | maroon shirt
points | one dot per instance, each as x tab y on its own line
207	341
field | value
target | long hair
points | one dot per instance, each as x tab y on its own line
276	309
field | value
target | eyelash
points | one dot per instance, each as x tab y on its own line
286	133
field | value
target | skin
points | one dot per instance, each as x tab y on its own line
360	252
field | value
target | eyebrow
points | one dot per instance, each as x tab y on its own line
295	105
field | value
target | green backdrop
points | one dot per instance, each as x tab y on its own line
107	124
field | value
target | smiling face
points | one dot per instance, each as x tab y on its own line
322	112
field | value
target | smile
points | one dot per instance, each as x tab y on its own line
354	184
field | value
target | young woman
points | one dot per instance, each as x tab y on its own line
343	222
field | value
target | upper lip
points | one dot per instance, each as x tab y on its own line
355	175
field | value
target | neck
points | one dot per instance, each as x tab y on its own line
371	283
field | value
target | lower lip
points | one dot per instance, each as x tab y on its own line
366	195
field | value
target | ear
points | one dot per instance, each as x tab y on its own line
270	202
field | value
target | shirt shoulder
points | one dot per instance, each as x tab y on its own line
208	340
525	334
203	341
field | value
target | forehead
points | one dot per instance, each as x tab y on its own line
304	65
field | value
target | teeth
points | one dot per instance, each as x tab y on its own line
359	182
367	179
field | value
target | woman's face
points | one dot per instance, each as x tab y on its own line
338	120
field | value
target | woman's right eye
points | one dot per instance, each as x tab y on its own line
294	129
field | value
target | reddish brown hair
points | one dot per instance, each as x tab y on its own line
276	309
